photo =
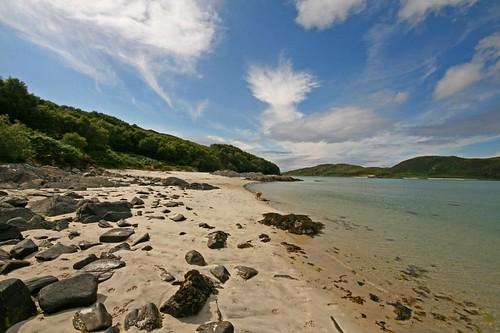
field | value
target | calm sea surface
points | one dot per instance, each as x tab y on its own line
449	227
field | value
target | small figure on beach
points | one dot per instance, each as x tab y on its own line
258	195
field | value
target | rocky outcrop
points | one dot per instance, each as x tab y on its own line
77	291
108	211
293	223
56	205
15	303
191	296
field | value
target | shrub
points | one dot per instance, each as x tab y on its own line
14	142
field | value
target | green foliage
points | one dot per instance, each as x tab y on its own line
109	141
14	141
421	167
47	150
75	140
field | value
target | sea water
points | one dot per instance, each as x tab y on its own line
451	228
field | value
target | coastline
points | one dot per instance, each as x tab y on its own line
269	302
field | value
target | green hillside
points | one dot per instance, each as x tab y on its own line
421	167
33	129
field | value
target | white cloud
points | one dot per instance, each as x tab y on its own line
388	98
321	14
282	88
336	125
415	11
158	39
484	64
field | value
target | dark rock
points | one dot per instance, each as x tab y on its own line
8	213
45	244
15	303
55	251
124	224
104	224
205	225
374	297
217	239
146	318
216	327
136	201
8	266
291	247
245	245
246	272
264	238
85	245
14	201
194	257
85	261
23	249
191	296
178	218
402	312
201	186
4	255
116	235
3	193
165	275
34	285
221	273
120	247
174	181
8	232
113	329
295	224
142	239
171	204
56	205
95	318
147	248
108	211
76	291
73	234
239	226
73	195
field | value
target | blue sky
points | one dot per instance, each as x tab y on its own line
299	82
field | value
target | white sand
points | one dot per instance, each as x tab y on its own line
259	305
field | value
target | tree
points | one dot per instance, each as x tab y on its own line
75	140
14	142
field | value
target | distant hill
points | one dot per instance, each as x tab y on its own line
421	167
37	130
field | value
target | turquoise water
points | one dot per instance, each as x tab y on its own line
449	227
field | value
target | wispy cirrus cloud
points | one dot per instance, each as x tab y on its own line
157	39
321	14
415	11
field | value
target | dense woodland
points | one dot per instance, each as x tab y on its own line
421	167
40	131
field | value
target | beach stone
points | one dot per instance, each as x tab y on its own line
8	266
142	239
221	273
45	244
194	257
120	247
73	195
104	224
103	265
136	201
15	303
201	187
205	225
14	201
85	245
113	329
4	255
85	261
147	248
264	238
216	327
178	218
402	312
95	318
293	223
23	249
191	296
9	232
174	181
217	239
123	224
3	193
108	211
56	205
246	272
116	235
73	234
34	285
55	251
245	245
171	204
145	318
8	213
291	247
76	291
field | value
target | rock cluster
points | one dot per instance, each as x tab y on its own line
293	223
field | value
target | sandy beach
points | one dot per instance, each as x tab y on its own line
265	303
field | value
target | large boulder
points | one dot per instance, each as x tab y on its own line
146	318
76	291
7	213
35	284
174	181
7	266
191	296
293	223
56	205
15	303
23	249
55	251
109	211
95	318
194	257
14	201
8	232
116	235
